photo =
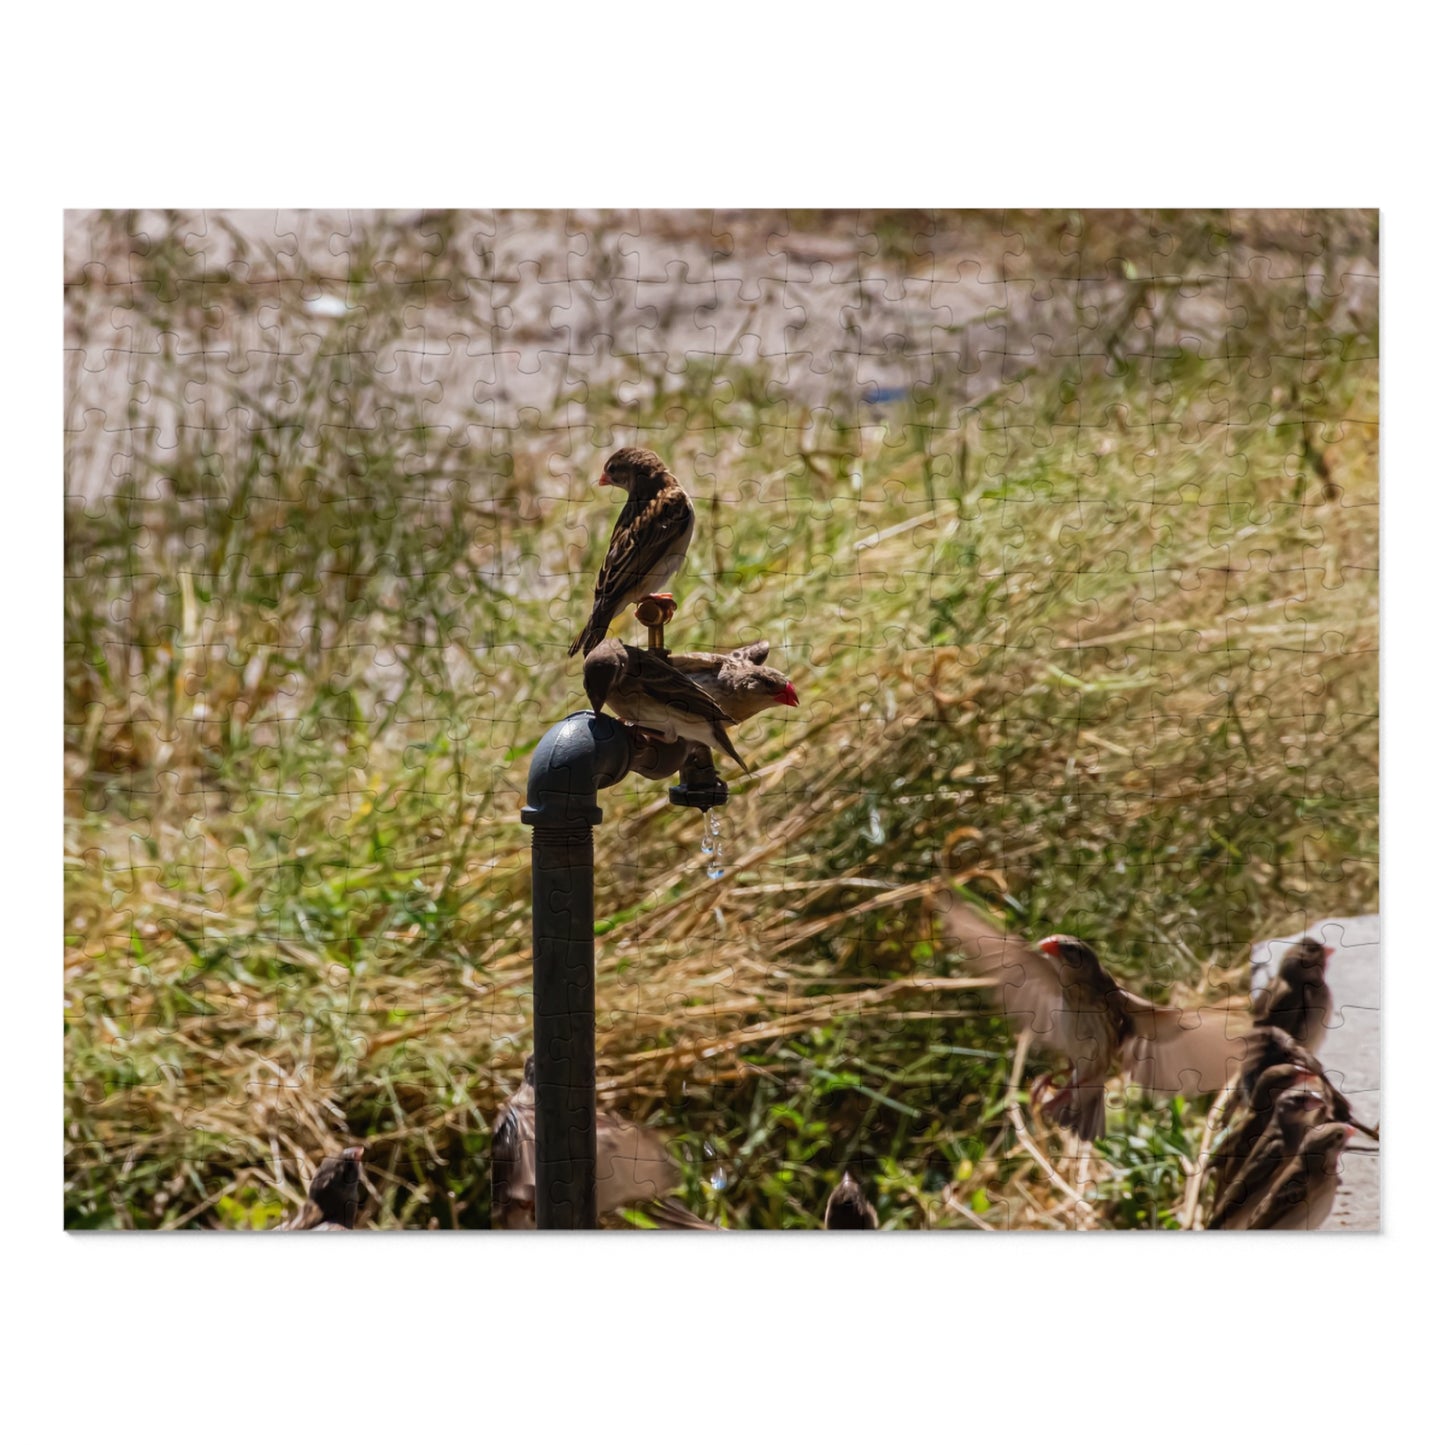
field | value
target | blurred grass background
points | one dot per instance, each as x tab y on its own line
1084	616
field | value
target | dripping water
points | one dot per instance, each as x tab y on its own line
712	843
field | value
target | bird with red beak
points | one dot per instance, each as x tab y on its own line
1065	998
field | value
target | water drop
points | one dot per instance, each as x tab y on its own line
712	844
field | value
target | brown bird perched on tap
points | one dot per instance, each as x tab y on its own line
643	688
1064	996
649	541
738	681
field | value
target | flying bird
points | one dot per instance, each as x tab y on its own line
633	1164
644	689
649	540
1064	996
1296	1111
737	681
1297	999
335	1192
848	1207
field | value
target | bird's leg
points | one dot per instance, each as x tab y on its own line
654	612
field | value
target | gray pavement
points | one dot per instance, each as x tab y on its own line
1351	1051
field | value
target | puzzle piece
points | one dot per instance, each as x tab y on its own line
1061	531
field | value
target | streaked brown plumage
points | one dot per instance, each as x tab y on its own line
1266	1048
649	540
737	681
633	1164
1297	999
644	689
1296	1111
1231	1150
335	1193
1303	1192
1064	995
848	1207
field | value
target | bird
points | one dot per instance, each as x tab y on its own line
1063	995
1297	999
1235	1147
649	539
514	1156
848	1207
737	681
633	1164
1296	1111
1266	1047
673	1214
644	689
335	1192
1303	1192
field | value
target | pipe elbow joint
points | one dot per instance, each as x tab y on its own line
575	758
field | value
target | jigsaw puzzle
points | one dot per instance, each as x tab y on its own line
890	697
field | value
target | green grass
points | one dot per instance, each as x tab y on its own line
1103	646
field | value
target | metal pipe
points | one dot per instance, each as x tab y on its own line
574	759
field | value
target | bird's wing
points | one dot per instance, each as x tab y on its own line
514	1152
1031	991
1288	1192
674	690
1264	1163
632	1164
1184	1051
641	538
754	652
693	663
1312	1168
671	1214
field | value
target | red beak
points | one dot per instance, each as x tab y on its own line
602	481
1329	952
788	696
1050	946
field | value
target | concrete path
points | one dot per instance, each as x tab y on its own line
1351	1051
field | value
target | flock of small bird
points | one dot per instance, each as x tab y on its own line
1273	1166
1276	1164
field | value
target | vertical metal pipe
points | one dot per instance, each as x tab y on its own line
564	1025
576	757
